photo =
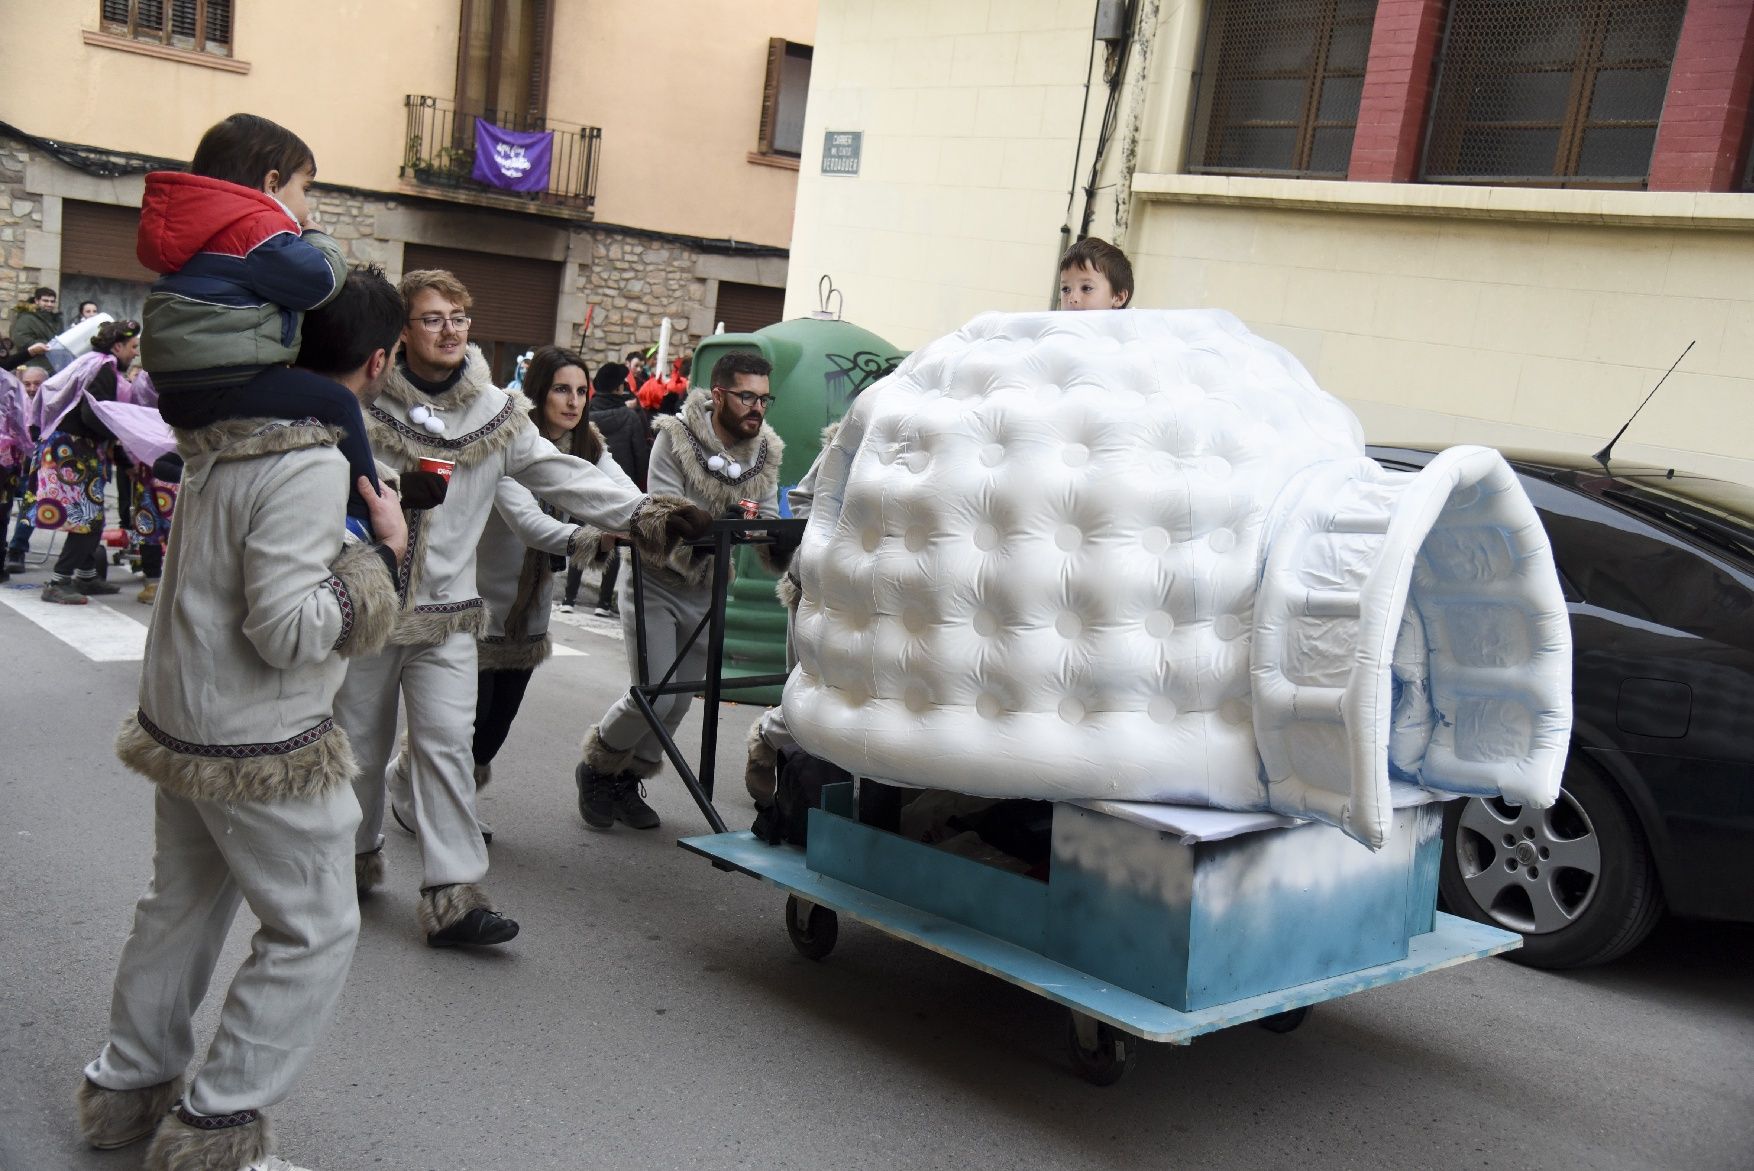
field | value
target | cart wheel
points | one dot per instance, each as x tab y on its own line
1284	1022
1101	1053
813	929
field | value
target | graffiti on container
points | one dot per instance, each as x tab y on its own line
850	374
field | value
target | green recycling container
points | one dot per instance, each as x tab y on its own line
819	366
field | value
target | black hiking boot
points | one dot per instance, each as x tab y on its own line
628	802
596	796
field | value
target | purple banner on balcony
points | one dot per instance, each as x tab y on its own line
511	159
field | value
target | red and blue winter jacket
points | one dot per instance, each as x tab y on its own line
238	278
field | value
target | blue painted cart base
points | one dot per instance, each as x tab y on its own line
1452	942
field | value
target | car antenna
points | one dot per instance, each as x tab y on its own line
1601	456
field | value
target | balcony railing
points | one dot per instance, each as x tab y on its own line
440	152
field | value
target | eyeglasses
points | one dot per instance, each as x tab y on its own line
432	322
750	399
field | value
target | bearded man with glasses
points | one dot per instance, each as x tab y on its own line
717	453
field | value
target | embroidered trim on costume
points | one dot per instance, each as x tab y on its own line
502	640
449	607
405	567
422	436
345	601
215	1121
701	454
234	751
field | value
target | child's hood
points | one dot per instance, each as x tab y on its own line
182	215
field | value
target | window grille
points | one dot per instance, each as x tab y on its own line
1557	93
1279	86
203	26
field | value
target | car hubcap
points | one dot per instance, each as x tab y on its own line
1533	871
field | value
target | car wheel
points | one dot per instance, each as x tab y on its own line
1575	881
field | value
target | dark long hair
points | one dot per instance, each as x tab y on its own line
545	363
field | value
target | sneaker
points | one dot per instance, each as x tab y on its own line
596	796
63	593
628	801
606	612
148	594
15	562
93	587
565	607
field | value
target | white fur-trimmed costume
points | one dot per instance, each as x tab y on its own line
678	588
487	434
259	601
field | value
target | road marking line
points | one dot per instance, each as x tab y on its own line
561	650
95	631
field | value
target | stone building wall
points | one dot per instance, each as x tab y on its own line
20	212
634	279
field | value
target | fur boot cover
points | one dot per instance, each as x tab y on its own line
483	774
761	774
180	1146
600	758
444	905
114	1118
368	871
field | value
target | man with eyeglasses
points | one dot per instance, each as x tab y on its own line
717	453
451	436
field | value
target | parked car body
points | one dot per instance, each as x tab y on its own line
1657	809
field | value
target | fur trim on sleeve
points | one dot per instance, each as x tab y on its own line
369	605
655	544
788	590
585	549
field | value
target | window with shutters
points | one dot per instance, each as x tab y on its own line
783	94
1279	87
746	308
1555	93
502	62
198	26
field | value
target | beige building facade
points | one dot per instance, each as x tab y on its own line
1509	314
669	200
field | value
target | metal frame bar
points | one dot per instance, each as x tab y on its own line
725	537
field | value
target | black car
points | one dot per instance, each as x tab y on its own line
1657	806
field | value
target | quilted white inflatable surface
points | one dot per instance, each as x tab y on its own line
1036	557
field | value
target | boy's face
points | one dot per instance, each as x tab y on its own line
1085	288
292	191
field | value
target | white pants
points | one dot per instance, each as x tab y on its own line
292	862
671	616
439	686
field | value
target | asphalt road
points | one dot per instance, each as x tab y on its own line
653	1014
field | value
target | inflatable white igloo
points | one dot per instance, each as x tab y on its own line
1141	555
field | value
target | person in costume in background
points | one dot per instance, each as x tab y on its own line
717	453
68	490
623	428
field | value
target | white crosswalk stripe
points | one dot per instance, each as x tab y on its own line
99	633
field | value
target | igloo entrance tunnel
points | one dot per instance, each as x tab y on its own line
1142	555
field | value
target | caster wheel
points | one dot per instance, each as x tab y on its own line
1284	1022
1101	1053
813	929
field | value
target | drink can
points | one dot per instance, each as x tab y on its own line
751	509
443	467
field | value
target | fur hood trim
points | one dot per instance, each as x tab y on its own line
695	442
476	377
500	654
443	906
237	439
239	772
406	445
180	1147
368	601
